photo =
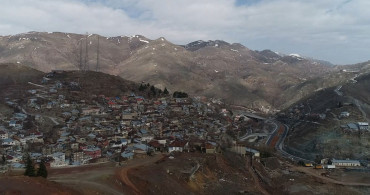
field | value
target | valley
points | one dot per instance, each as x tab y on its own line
249	122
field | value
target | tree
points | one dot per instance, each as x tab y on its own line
4	159
42	171
166	91
30	169
301	163
152	89
142	87
179	94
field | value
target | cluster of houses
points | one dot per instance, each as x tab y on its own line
109	128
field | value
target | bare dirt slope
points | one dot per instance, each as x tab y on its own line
32	186
89	179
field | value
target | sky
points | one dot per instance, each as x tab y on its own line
334	30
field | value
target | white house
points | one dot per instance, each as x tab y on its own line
59	159
363	125
344	114
177	146
147	138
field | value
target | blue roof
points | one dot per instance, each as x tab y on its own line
143	131
7	140
127	154
18	165
251	150
141	146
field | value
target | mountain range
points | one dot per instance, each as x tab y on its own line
262	80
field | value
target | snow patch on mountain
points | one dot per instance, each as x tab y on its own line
144	41
295	55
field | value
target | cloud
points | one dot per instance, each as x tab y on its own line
334	30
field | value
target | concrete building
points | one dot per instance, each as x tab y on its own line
346	163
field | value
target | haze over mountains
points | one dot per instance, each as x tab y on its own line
262	80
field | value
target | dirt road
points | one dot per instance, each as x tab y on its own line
87	179
123	173
256	179
312	172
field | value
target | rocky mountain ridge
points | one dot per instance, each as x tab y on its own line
256	79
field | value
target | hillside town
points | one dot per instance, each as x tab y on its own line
56	126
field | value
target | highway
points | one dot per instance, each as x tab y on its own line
281	130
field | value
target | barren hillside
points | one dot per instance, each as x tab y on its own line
257	79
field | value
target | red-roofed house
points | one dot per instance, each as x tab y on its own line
178	145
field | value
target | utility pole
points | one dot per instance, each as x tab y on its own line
86	54
97	56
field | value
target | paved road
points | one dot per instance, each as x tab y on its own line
280	143
253	135
272	134
36	84
312	172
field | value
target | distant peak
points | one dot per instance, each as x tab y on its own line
295	55
196	45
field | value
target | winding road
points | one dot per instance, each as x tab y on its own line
279	144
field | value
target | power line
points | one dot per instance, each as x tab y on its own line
80	64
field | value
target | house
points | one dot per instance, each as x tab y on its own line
140	148
59	159
127	155
177	145
74	146
8	142
14	158
346	163
90	110
12	123
93	152
119	144
210	147
352	127
4	135
147	138
156	145
363	125
78	157
129	116
344	114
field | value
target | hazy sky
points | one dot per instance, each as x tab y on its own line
333	30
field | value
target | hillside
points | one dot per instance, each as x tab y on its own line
12	74
16	78
317	127
262	80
